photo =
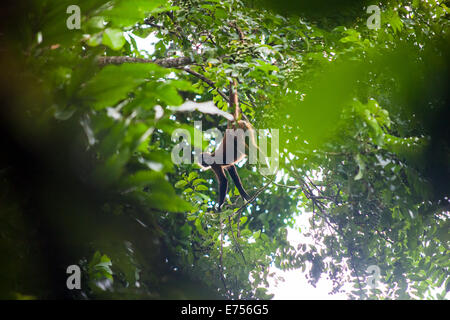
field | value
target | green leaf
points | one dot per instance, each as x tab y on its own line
99	267
95	39
198	181
142	178
199	227
352	36
186	230
95	24
113	38
126	13
113	83
201	188
64	113
261	293
163	200
168	94
181	184
192	176
361	165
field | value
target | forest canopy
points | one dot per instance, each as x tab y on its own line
90	94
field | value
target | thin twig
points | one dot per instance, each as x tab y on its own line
253	198
283	185
238	30
221	254
356	271
166	62
207	81
235	240
154	25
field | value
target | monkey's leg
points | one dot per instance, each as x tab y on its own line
222	181
237	181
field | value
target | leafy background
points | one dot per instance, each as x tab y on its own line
87	176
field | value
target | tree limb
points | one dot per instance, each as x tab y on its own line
166	62
222	276
235	240
207	81
253	198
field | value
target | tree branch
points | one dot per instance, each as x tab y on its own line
235	240
222	276
254	197
238	30
166	62
154	25
207	81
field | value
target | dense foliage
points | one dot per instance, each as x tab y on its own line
87	176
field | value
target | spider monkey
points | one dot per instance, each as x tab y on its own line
220	159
